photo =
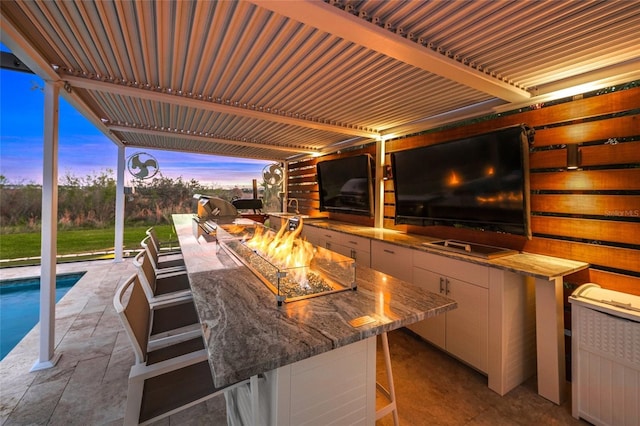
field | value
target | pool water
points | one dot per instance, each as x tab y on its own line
20	306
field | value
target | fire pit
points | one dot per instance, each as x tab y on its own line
291	267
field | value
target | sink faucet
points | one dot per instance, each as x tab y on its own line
291	201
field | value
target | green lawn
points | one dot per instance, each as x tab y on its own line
15	246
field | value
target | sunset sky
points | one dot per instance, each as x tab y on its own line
84	150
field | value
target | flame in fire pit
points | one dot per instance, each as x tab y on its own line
291	267
285	249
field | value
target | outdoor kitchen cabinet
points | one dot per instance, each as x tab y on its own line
311	234
463	333
516	298
494	329
357	248
315	236
392	259
520	294
275	222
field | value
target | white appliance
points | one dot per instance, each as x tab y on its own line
605	356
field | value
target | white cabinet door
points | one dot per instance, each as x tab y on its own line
463	332
392	259
467	328
362	257
431	329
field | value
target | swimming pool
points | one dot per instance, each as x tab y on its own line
20	306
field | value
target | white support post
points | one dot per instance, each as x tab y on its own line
47	358
379	198
285	185
550	340
119	231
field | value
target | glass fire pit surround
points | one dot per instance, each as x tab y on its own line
326	272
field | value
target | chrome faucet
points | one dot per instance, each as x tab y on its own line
291	201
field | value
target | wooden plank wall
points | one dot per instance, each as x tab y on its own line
591	214
303	186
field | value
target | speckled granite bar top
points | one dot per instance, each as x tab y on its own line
535	265
247	333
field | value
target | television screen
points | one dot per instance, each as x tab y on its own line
346	185
479	182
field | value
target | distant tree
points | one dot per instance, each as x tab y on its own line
89	201
20	205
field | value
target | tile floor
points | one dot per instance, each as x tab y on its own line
88	385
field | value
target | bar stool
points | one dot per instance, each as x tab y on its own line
390	394
167	379
151	232
164	263
161	288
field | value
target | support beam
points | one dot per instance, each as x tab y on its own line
23	50
337	22
427	123
582	83
9	61
48	358
164	133
119	231
206	105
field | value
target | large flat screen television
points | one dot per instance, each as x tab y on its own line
479	182
346	185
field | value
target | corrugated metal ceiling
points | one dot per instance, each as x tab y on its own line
279	79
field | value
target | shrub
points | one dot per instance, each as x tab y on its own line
89	202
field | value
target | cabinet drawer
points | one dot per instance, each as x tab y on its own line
310	232
358	243
459	269
328	235
391	259
319	233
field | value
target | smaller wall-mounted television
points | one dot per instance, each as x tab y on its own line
346	185
480	182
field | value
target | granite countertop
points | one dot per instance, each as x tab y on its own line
246	333
535	265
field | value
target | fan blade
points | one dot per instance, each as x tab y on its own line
135	162
151	163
